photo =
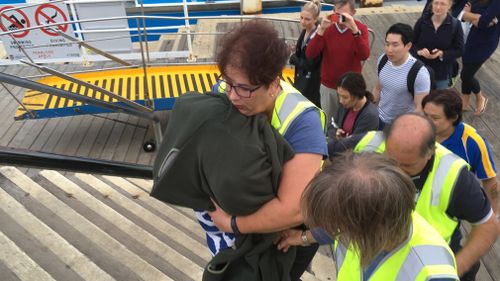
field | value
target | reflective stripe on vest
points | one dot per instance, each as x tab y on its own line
289	104
440	175
422	256
373	141
436	192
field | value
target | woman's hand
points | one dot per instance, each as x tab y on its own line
430	55
291	47
467	7
493	22
424	52
340	134
288	238
436	53
220	218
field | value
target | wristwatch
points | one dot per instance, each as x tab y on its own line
303	236
357	33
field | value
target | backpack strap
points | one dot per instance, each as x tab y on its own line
412	76
381	63
454	25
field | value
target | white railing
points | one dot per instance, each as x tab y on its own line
140	33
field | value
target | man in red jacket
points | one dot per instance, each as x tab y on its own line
343	41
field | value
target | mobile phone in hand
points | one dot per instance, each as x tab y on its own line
337	18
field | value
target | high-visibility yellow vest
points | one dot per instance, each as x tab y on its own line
438	187
289	104
422	256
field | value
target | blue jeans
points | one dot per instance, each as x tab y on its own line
442	84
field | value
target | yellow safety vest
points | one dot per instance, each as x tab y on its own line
438	187
422	256
289	104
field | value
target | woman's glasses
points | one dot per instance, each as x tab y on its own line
240	90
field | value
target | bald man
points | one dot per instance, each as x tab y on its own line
447	192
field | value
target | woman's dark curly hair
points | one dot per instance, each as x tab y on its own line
255	49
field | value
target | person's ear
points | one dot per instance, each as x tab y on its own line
408	45
430	153
274	87
277	81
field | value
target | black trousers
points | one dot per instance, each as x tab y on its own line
303	258
469	82
455	247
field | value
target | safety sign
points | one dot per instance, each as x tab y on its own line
38	43
14	20
48	14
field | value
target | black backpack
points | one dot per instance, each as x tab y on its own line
412	74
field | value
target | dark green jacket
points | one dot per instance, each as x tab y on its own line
210	150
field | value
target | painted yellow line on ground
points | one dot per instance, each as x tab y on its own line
176	80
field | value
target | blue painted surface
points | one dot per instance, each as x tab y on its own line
13	2
160	104
160	2
157	22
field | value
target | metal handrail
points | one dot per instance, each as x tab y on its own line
90	86
28	84
80	32
44	160
222	17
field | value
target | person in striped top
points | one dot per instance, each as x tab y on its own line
391	90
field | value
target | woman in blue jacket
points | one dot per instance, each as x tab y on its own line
439	41
481	42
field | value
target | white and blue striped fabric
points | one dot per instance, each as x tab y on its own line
216	239
394	96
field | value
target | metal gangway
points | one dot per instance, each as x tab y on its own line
142	81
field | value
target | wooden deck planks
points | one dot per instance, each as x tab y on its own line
185	266
83	225
90	136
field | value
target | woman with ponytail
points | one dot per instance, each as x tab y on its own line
307	78
357	113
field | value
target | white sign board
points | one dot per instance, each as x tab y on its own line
105	9
49	13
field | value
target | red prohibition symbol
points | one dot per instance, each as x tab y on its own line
46	14
15	19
